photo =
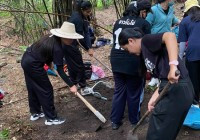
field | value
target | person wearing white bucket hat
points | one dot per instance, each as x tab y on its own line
189	32
45	51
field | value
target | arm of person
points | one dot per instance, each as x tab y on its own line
88	44
66	78
150	18
151	103
175	20
172	48
182	46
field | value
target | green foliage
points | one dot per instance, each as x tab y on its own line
4	134
100	4
4	14
23	48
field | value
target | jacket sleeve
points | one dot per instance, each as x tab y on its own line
150	18
175	20
64	76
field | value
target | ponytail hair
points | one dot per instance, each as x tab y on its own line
135	33
131	10
83	5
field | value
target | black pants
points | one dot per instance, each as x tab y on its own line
169	114
75	65
194	72
40	90
128	89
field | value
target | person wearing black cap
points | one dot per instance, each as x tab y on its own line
160	55
129	82
46	50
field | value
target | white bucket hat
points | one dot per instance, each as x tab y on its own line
67	30
190	3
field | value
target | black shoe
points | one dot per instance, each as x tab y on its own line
115	126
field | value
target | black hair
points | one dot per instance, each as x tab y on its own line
131	10
129	33
194	12
44	47
83	5
160	1
144	5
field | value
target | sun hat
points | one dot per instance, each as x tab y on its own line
190	3
67	30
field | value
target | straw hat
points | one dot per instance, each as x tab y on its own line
67	30
190	3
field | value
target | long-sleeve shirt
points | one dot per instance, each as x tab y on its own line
81	26
160	21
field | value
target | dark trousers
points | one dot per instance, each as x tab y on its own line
169	114
40	90
75	65
127	89
194	73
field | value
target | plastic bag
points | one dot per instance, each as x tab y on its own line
192	119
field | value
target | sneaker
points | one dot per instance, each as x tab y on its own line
153	82
55	121
35	116
86	91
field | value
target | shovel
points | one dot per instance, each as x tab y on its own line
131	135
96	113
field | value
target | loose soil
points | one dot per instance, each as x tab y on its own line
80	123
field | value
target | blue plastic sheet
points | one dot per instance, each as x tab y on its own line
192	119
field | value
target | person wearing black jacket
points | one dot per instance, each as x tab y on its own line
74	59
160	55
45	51
129	81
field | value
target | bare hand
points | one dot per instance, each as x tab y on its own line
91	52
172	74
73	89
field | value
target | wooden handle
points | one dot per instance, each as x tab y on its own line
86	103
97	113
163	92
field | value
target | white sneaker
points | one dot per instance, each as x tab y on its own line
153	82
55	121
86	91
35	117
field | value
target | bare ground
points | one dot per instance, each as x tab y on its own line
81	122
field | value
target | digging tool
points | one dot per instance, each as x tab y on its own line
97	94
94	57
131	135
97	113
